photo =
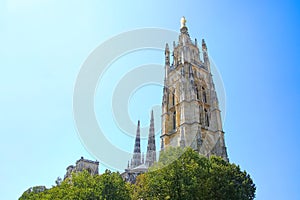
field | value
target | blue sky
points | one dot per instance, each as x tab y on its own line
43	44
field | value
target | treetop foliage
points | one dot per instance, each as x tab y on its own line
179	174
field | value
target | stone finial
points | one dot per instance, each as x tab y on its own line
204	47
167	47
167	54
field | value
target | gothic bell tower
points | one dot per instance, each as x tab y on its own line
190	108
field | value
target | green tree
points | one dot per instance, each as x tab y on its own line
184	174
33	193
227	181
180	174
83	186
112	186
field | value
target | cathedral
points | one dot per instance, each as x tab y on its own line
190	107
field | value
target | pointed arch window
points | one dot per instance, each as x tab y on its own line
197	92
204	97
206	117
174	120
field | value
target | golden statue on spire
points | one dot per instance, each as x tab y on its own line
183	21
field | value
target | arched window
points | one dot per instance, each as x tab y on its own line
206	117
204	98
174	120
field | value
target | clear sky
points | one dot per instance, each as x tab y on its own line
43	44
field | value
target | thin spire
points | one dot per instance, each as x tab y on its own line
137	148
152	117
151	148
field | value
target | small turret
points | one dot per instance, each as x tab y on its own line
205	55
167	61
204	47
167	54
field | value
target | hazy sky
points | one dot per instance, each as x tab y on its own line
43	45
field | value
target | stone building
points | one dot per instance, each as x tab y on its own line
83	164
190	107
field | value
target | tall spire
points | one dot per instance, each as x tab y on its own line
136	161
151	149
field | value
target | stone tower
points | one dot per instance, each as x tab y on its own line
151	148
190	108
